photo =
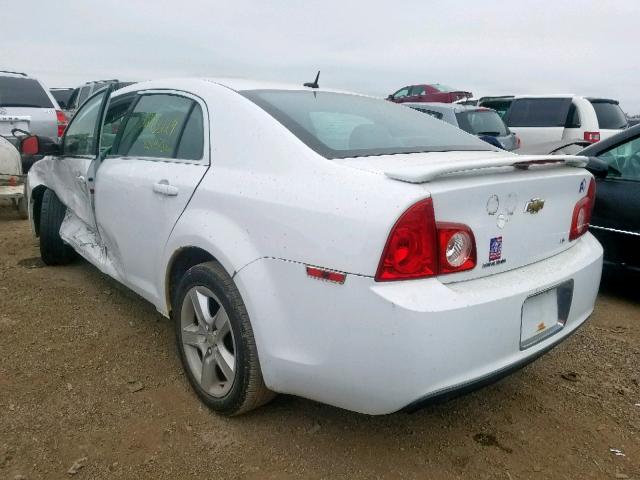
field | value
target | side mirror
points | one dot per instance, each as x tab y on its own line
390	97
597	167
36	145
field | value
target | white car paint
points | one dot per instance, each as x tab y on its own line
544	134
265	206
11	177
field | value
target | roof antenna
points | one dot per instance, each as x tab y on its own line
313	84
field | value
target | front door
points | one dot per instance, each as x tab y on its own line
154	163
79	149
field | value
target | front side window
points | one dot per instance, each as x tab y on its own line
338	125
80	137
157	123
403	92
538	112
482	122
624	160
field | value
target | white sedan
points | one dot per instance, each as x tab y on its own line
323	244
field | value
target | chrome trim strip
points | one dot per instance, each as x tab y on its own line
615	230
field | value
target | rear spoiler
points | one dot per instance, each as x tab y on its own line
426	173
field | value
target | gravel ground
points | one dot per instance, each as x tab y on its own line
91	387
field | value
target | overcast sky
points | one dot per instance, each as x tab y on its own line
374	47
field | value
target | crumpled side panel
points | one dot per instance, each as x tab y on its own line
85	241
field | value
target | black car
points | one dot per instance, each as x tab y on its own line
616	215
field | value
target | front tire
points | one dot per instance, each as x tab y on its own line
53	250
216	343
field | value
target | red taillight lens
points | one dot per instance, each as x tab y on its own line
582	213
418	247
62	122
592	137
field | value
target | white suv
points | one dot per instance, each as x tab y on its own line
548	118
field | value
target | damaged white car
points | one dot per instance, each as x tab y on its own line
328	245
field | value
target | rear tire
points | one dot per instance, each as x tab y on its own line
215	341
53	250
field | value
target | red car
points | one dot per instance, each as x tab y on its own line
435	92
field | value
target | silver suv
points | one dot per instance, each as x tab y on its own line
26	104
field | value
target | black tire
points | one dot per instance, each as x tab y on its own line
248	390
53	250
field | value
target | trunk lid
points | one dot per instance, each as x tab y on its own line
518	207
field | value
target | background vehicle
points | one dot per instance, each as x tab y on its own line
435	92
62	96
11	178
616	216
286	265
500	104
81	93
25	103
478	121
548	118
562	147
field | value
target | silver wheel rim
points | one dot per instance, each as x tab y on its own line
208	341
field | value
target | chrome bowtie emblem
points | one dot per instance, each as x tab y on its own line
534	205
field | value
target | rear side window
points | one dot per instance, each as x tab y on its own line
23	92
610	115
192	140
156	124
482	122
417	90
538	112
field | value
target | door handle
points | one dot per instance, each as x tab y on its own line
163	188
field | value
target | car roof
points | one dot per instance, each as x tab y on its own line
237	84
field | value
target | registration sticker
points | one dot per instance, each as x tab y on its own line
495	249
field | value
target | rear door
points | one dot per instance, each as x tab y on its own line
616	216
155	161
538	120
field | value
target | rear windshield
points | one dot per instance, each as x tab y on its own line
538	112
482	122
338	125
610	115
500	106
23	92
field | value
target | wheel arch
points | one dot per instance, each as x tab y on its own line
182	260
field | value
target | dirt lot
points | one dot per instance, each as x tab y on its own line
89	374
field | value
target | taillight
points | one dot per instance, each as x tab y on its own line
420	247
62	122
582	213
457	247
592	137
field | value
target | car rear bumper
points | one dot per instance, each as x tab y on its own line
379	347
